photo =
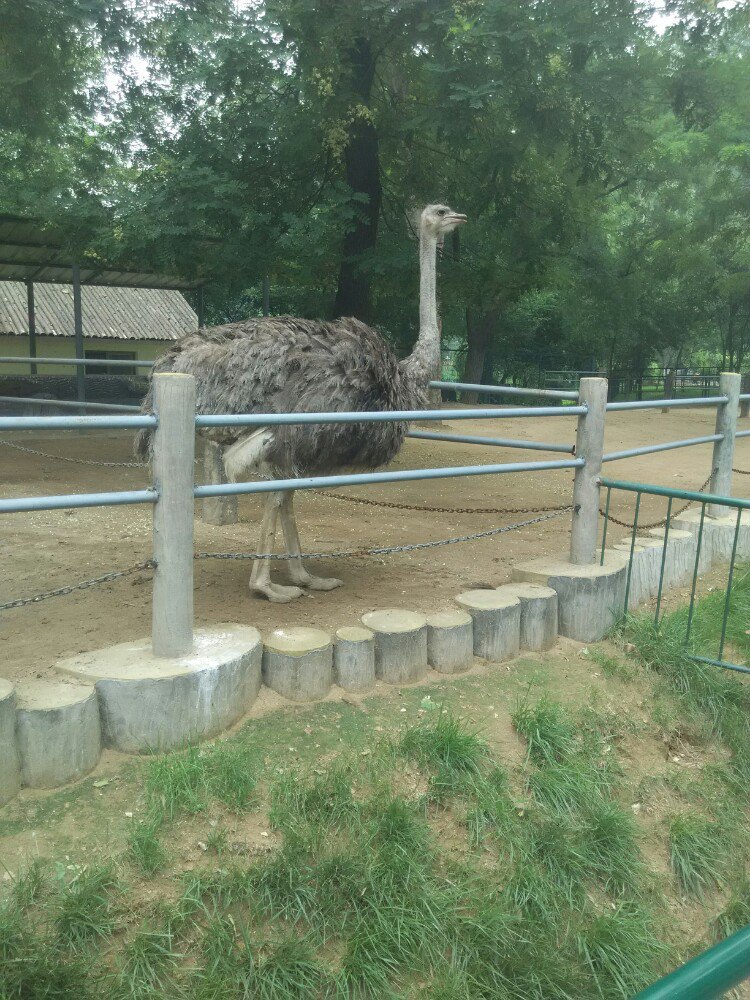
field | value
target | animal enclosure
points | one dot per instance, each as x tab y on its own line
47	549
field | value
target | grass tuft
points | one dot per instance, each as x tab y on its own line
145	848
290	971
736	914
447	744
698	852
548	730
148	960
621	950
31	885
86	907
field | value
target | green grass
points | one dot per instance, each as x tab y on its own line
446	745
500	881
736	914
145	847
147	963
186	782
86	908
698	852
548	730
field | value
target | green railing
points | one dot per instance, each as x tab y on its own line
708	975
704	500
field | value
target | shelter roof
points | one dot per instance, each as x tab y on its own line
116	313
31	250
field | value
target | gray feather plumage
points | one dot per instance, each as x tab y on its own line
284	364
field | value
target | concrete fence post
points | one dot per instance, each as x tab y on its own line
723	457
174	454
590	447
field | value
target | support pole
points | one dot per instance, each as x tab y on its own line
266	295
590	447
216	510
31	311
745	404
78	330
668	388
723	457
174	452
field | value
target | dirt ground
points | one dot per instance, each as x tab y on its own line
45	550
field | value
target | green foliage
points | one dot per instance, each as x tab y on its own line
605	166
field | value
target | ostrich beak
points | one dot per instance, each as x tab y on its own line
457	219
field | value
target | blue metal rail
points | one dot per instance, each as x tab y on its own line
380	416
505	390
364	478
566	449
71	500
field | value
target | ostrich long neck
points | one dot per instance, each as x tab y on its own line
424	360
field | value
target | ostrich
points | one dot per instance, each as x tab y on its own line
283	364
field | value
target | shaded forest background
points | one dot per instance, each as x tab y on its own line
603	159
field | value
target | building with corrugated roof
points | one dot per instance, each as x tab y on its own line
122	324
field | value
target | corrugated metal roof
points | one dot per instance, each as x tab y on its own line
29	249
119	313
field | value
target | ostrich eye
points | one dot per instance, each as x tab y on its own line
441	211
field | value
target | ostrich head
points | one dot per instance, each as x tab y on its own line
438	220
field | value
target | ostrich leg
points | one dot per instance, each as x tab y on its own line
260	578
297	571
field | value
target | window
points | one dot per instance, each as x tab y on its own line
111	356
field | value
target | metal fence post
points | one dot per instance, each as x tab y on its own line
589	446
174	453
745	404
726	424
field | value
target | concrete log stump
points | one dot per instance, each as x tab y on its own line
644	576
450	641
680	561
538	614
718	536
354	658
298	663
152	702
57	731
496	617
400	644
590	597
10	773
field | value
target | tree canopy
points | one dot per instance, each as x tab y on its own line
602	155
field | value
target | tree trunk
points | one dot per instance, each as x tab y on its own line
362	174
479	327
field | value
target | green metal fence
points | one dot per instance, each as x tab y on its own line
708	975
703	500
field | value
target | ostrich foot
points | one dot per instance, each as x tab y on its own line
311	582
276	592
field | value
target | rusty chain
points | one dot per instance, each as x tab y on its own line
655	524
381	550
83	585
283	556
742	472
74	461
392	505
